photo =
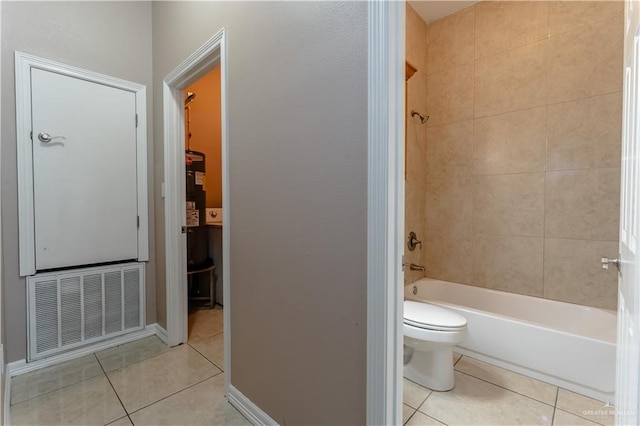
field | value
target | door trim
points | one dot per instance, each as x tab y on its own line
385	217
211	54
23	65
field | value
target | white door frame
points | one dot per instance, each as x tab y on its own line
207	57
385	217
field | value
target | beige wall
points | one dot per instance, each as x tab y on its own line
298	207
416	55
112	38
523	148
206	136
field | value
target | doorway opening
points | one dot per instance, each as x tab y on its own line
203	161
195	280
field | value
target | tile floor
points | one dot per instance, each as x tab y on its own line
147	383
488	395
142	383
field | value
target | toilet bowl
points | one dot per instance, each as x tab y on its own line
430	333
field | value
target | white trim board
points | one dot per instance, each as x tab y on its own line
385	211
211	54
23	65
251	411
17	368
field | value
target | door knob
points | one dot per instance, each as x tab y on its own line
606	262
46	137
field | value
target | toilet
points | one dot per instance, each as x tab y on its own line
430	333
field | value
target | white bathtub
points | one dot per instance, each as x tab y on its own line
568	345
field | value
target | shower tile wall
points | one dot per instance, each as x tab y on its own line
416	54
523	148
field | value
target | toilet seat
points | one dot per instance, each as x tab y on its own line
431	317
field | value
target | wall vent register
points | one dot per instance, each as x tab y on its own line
74	308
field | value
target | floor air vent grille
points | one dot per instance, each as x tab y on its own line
68	309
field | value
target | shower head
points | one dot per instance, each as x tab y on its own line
190	97
423	118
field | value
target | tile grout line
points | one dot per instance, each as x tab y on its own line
139	361
114	389
205	357
415	410
507	389
175	393
54	390
555	407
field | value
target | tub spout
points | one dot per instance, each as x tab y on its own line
415	267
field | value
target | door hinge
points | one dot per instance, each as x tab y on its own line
138	221
184	229
31	135
136	120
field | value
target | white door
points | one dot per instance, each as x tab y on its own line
84	171
628	361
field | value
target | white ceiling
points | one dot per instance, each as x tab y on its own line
431	11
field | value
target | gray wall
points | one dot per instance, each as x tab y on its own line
113	38
298	169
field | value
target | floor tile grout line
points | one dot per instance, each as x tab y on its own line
175	393
169	348
507	389
205	357
567	411
555	406
57	389
415	410
580	416
114	389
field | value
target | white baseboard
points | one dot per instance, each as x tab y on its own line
6	403
160	332
22	366
251	411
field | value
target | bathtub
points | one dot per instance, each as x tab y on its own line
570	346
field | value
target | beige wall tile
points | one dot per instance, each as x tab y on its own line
568	15
586	61
448	206
416	171
510	143
585	133
583	204
509	204
451	41
511	80
447	258
416	40
450	95
508	263
502	25
450	149
573	272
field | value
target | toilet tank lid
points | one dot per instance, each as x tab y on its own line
429	314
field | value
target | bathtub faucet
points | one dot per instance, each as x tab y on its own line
413	266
